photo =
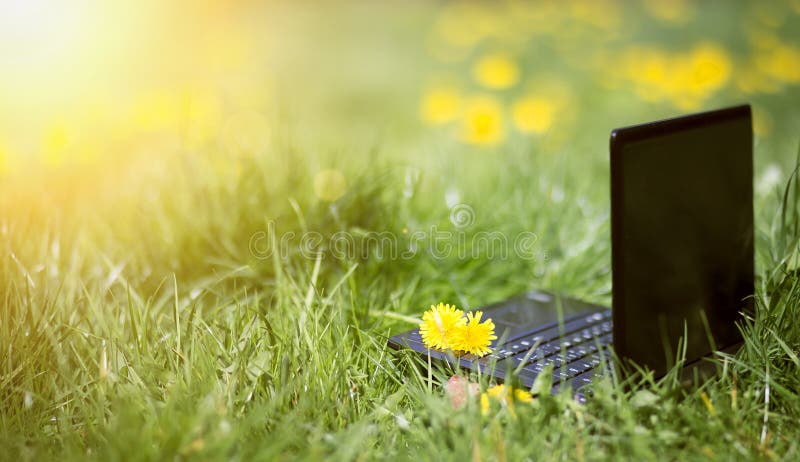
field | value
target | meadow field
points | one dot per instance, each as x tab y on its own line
213	215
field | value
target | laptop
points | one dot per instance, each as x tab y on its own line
681	260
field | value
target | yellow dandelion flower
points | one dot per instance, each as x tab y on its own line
648	69
503	392
504	395
696	75
685	79
534	114
475	336
782	63
483	122
440	105
55	144
484	403
711	68
439	325
496	71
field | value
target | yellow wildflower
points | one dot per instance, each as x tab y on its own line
711	68
484	403
483	122
439	325
685	79
496	71
474	336
505	395
440	105
782	63
697	75
503	392
534	114
55	144
647	68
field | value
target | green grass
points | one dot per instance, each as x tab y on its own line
137	322
227	356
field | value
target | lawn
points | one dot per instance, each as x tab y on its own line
213	215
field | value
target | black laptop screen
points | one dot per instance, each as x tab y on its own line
682	235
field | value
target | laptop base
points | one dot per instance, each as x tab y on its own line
537	332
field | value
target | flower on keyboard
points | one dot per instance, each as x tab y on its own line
439	325
475	336
445	327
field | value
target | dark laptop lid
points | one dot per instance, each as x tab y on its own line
682	234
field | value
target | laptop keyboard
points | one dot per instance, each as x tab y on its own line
576	349
572	351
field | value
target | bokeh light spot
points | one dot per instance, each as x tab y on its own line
482	122
440	105
496	71
329	185
534	114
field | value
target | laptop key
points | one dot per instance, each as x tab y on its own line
580	366
536	367
560	374
574	370
580	381
569	328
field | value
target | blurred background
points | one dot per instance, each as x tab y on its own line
88	86
111	109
